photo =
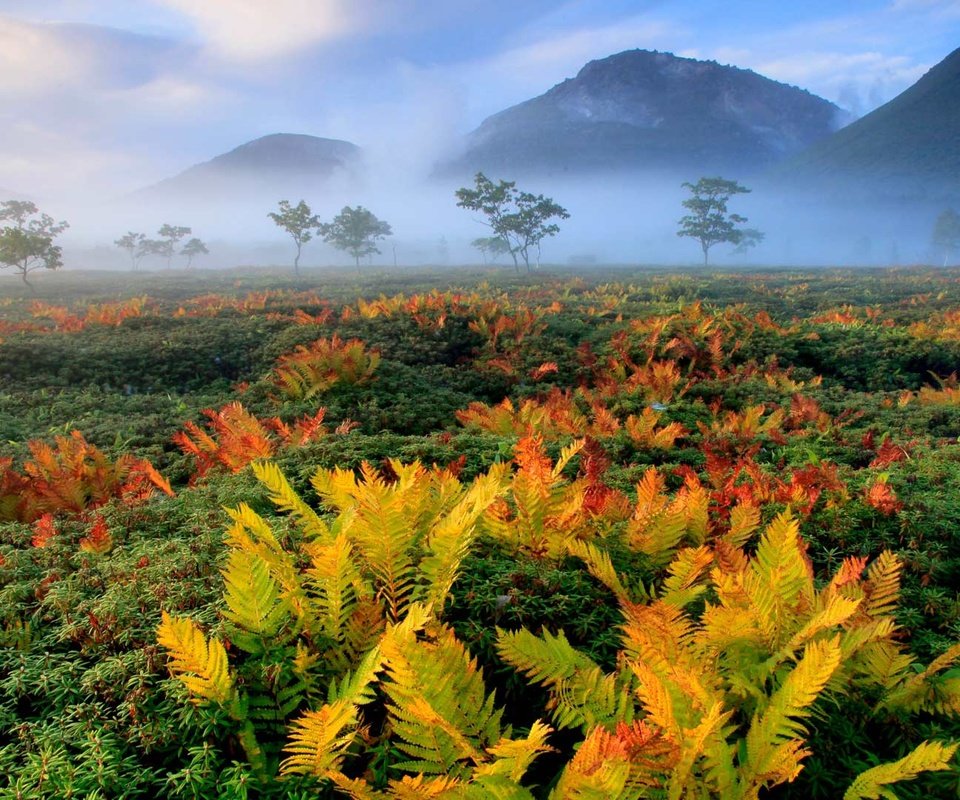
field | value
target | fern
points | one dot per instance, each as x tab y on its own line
198	663
926	757
254	602
581	694
286	499
775	738
440	713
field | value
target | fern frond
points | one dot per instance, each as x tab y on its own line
450	539
440	713
286	499
926	757
680	588
319	740
600	566
200	664
706	736
779	577
335	586
253	600
512	757
581	693
837	611
883	585
775	730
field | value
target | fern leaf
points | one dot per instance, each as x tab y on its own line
926	757
253	600
581	694
600	566
450	539
774	731
688	566
779	578
335	586
883	585
200	664
319	739
285	498
512	757
440	713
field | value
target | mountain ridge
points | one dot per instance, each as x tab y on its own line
642	109
276	161
908	147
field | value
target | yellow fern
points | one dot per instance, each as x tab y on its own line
197	662
926	757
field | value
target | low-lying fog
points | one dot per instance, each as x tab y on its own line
614	219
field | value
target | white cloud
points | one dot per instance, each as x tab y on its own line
525	70
37	58
263	29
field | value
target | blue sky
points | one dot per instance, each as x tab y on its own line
99	95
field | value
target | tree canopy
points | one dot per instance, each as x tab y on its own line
26	242
709	222
519	218
355	231
299	221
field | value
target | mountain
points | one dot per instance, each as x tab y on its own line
651	111
285	163
906	149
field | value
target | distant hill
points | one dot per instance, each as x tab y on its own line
285	163
651	111
906	149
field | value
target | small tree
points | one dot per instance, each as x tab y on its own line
355	231
26	244
192	249
170	236
133	244
491	248
709	222
946	233
299	221
520	219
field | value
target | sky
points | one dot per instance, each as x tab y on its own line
105	96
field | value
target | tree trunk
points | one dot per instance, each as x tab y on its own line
706	251
23	275
296	261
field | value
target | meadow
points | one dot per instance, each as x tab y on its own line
471	534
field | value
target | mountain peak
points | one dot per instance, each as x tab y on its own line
645	109
288	162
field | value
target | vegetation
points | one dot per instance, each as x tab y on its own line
519	219
709	222
26	241
641	536
299	221
355	231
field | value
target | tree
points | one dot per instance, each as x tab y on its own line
491	247
521	219
170	236
26	244
355	231
946	233
133	243
709	222
299	221
192	249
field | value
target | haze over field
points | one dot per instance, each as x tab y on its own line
123	116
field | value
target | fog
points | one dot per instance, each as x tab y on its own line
614	219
